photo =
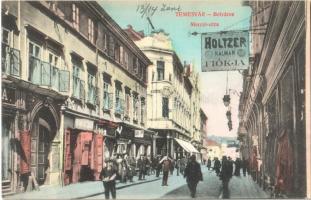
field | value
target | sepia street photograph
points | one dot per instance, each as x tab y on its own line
155	99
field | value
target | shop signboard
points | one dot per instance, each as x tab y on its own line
225	51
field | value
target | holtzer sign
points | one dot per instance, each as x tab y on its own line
225	51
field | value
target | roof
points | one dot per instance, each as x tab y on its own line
134	35
211	143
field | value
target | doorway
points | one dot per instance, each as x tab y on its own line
42	135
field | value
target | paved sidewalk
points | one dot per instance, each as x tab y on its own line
75	191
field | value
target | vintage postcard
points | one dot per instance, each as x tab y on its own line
142	99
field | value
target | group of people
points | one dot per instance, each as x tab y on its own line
224	170
125	168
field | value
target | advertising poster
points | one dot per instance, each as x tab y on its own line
152	99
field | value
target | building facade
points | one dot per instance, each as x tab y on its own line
272	105
73	93
170	97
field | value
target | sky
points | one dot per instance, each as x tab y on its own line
188	46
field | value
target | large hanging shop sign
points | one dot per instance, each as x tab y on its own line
225	51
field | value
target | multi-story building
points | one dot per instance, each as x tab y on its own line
169	96
74	92
272	106
203	133
196	134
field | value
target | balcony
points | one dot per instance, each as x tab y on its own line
44	74
10	60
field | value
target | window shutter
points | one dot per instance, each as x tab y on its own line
34	70
67	150
110	96
55	78
63	80
25	152
46	74
82	90
15	62
99	152
96	96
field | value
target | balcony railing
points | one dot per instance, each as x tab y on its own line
10	60
44	74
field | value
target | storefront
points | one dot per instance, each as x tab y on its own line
86	149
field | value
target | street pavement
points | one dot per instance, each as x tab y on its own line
151	188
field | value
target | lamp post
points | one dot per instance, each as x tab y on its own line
168	145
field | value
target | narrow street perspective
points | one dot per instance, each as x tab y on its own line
155	99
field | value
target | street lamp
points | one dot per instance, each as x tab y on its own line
168	144
226	100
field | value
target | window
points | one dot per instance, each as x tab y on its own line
135	107
121	55
34	63
77	84
127	103
54	62
117	52
111	44
10	56
75	16
105	41
5	36
91	97
91	30
107	96
119	101
165	107
160	70
135	65
143	108
126	59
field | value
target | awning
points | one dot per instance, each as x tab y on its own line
187	146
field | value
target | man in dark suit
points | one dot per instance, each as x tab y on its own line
193	175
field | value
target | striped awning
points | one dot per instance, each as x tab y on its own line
187	146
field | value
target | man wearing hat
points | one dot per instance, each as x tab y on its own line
108	175
193	175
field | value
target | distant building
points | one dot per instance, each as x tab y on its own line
213	149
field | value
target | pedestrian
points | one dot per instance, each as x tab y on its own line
141	164
158	167
209	163
172	166
183	163
177	166
245	166
148	165
237	167
124	171
193	175
166	165
131	168
217	166
109	174
225	175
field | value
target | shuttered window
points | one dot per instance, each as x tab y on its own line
63	81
